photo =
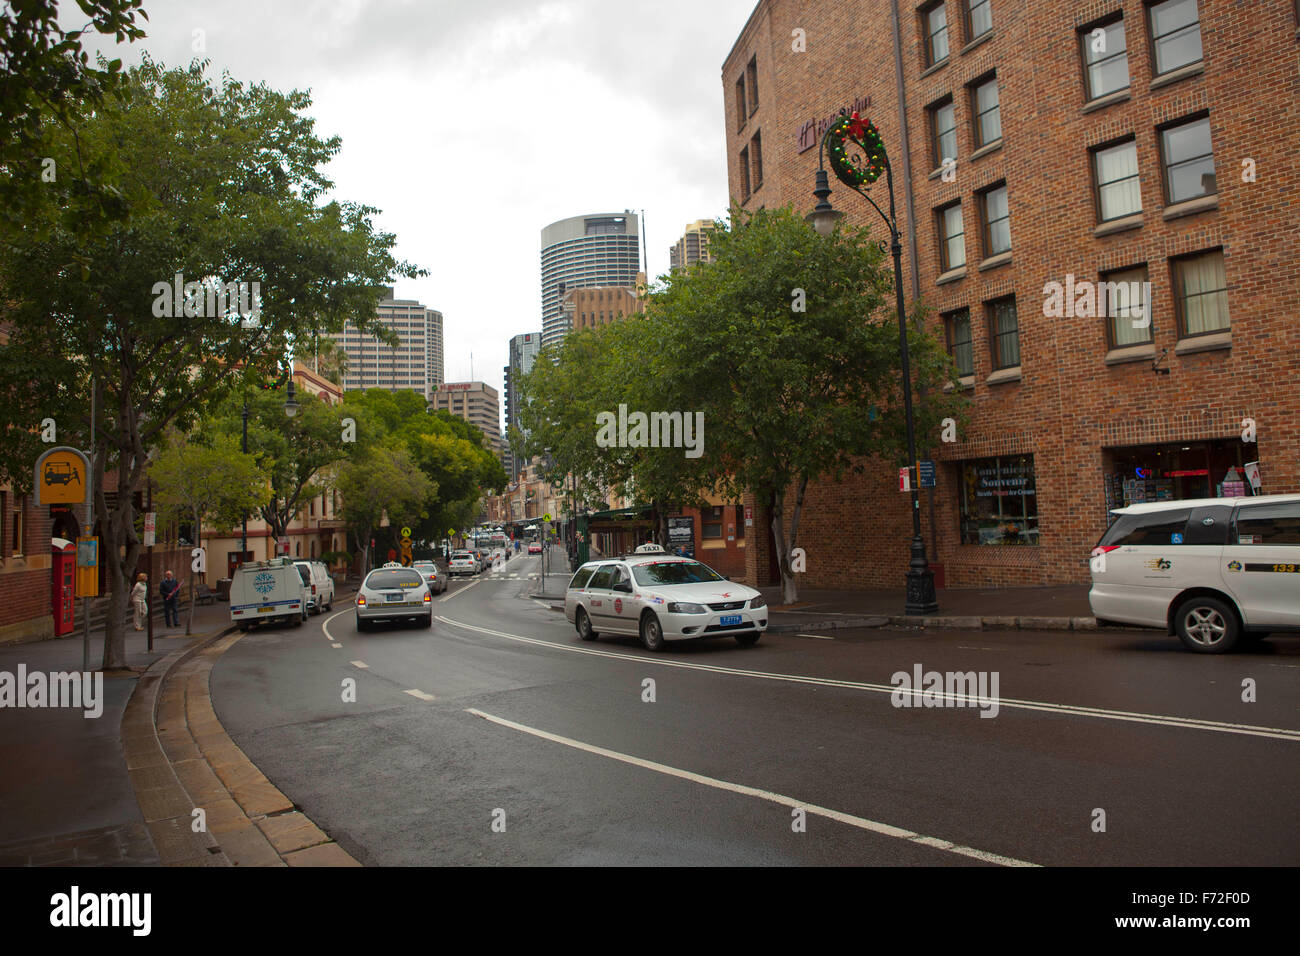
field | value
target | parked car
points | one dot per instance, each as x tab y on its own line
391	594
1214	571
321	585
433	577
462	562
273	590
661	597
534	547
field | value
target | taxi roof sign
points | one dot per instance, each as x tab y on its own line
62	477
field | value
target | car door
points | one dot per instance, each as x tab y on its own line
626	612
598	599
1262	563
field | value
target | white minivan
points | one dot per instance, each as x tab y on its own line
271	590
321	585
1215	571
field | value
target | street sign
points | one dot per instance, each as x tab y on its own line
150	527
62	477
406	532
546	517
905	479
87	580
926	468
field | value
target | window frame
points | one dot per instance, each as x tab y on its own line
927	38
756	157
1085	36
1149	11
995	337
968	9
941	221
1166	179
742	111
976	127
935	148
751	83
746	191
1111	340
1180	316
986	224
1094	153
949	326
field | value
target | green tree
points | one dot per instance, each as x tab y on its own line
381	482
210	478
220	183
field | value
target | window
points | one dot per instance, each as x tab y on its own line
959	342
979	18
1175	35
744	173
1116	171
1201	293
1154	527
943	130
1125	299
988	118
19	525
1006	333
952	245
935	21
999	501
997	221
756	155
1269	524
581	578
751	77
1188	160
1105	58
741	110
711	522
739	521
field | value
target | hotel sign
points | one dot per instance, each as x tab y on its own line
811	132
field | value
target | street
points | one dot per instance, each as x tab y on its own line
498	737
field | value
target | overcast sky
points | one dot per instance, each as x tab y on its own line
472	124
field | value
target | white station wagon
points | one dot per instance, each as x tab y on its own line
661	597
1215	571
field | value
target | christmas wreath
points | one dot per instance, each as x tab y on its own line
856	169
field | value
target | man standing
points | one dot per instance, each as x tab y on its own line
170	589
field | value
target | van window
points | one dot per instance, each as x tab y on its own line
601	578
581	578
1209	525
1269	524
304	574
1161	528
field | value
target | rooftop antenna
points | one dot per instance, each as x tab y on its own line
644	267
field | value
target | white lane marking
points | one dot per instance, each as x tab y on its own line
820	637
325	624
362	664
448	597
420	694
861	823
1187	723
336	645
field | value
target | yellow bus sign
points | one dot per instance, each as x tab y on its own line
62	477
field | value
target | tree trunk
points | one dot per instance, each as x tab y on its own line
776	506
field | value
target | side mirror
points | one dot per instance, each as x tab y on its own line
623	586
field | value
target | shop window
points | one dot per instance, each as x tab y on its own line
952	237
987	115
711	522
999	503
1125	301
1005	337
1115	172
1269	524
1175	35
959	341
934	21
1201	294
1105	58
1188	159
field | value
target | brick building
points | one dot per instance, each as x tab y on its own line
593	307
1111	141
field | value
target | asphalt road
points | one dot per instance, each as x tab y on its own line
537	748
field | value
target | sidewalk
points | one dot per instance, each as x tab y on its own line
66	795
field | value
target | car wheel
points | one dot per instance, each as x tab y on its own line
652	634
428	619
583	624
1207	625
748	640
361	624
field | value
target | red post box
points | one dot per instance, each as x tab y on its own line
65	566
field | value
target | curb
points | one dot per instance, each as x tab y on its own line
248	821
828	624
996	623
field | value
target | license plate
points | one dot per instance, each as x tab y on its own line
393	597
265	610
729	619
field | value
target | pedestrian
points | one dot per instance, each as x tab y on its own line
170	590
139	600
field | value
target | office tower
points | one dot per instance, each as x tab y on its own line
523	353
596	250
416	363
477	403
692	247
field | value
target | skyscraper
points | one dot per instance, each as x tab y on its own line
477	403
692	247
596	250
523	353
415	364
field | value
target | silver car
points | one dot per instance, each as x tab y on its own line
436	579
393	594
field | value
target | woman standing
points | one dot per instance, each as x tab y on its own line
139	597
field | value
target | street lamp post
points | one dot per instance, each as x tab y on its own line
855	170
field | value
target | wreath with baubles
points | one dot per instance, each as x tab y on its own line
852	168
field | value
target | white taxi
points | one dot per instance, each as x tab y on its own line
660	597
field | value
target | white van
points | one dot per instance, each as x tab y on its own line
1214	571
268	591
321	585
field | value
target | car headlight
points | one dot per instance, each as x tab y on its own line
680	608
759	601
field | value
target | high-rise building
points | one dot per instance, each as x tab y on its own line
596	250
692	247
601	305
523	353
416	363
1083	208
477	403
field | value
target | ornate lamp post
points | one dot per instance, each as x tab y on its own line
858	157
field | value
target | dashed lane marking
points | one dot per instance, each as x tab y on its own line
861	823
420	694
362	664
